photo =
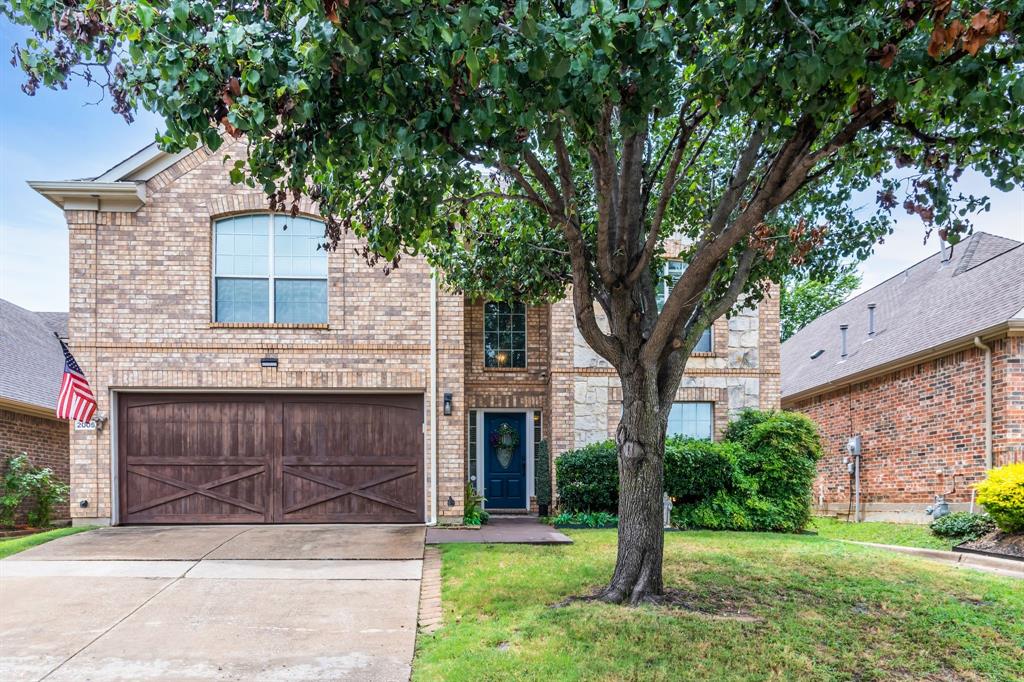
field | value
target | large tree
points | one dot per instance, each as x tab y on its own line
803	300
528	147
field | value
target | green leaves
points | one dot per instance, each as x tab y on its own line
405	119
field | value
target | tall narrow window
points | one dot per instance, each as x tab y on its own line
471	451
691	420
267	268
674	269
504	334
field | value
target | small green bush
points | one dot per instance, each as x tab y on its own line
15	488
542	474
47	491
962	526
588	478
1002	495
473	513
587	519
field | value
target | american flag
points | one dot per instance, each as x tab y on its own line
76	400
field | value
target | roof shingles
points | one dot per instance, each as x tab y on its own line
928	305
31	361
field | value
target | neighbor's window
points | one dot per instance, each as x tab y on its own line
504	334
692	420
673	271
267	268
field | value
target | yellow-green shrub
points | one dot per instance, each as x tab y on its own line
1002	494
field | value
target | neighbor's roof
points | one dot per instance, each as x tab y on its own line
31	361
928	306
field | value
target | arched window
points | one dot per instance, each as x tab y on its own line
267	268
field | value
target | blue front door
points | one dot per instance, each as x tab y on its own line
505	460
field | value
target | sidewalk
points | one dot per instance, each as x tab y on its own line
521	530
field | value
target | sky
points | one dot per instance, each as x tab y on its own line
61	135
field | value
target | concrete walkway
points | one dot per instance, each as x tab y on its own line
213	603
979	562
520	530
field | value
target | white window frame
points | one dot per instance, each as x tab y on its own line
711	407
526	338
666	290
270	276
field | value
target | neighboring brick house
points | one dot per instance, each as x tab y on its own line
915	388
31	367
249	377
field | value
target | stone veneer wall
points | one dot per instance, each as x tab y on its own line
741	371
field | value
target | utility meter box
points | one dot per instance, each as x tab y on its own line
853	446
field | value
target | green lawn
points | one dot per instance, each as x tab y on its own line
809	608
907	534
11	546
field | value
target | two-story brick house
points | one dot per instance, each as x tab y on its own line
249	377
927	369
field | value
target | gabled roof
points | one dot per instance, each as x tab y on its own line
927	307
31	361
121	188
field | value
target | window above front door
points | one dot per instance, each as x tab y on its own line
267	268
674	269
504	335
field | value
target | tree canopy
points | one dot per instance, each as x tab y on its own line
801	301
523	145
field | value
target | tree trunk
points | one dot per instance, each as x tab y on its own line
641	449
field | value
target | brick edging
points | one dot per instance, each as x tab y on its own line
430	616
980	562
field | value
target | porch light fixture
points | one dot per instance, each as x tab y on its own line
447	404
451	501
268	362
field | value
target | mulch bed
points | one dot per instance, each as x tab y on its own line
996	543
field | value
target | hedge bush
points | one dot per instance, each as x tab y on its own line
1002	495
758	477
962	526
588	478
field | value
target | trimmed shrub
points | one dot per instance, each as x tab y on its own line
962	526
588	478
542	474
694	469
1002	495
758	478
780	453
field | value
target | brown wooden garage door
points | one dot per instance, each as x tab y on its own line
236	458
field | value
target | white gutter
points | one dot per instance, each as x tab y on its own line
988	400
87	195
433	399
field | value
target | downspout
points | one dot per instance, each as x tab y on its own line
988	400
433	400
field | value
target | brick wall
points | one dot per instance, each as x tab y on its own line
141	317
44	440
922	431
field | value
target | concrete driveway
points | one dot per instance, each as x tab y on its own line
213	602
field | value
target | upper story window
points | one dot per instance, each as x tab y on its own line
267	268
504	334
691	420
673	271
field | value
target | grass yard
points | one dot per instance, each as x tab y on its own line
763	606
11	546
907	534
